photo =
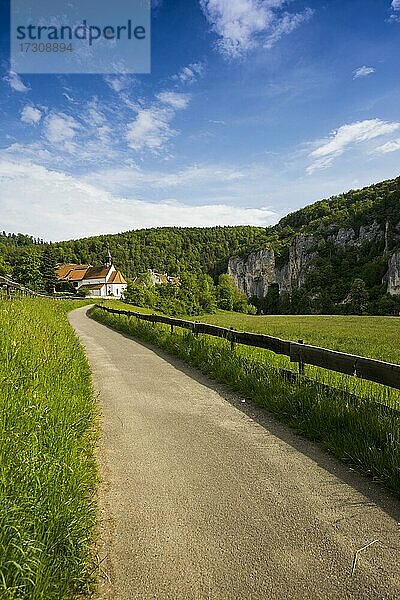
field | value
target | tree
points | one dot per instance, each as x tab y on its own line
140	294
226	292
48	264
358	296
27	268
229	297
4	268
270	303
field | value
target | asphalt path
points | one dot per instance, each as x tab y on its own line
205	496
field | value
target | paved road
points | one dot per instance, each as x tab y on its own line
204	497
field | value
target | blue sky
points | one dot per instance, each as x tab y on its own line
253	108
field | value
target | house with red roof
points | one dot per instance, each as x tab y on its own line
98	282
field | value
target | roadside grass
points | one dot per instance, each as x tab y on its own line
357	430
373	337
48	473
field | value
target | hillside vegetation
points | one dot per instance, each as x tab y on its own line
175	250
341	276
352	237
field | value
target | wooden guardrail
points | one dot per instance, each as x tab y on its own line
349	364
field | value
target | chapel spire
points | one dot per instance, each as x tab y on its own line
108	262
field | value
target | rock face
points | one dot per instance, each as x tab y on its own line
300	257
372	233
394	274
348	237
254	275
345	237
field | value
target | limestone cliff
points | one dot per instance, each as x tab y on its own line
255	274
258	271
394	274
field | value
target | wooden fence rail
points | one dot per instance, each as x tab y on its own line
349	364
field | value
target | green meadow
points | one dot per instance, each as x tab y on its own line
47	434
373	337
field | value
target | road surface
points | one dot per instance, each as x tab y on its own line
206	497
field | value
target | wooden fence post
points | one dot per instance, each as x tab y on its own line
301	363
232	338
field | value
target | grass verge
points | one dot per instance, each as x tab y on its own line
356	430
48	473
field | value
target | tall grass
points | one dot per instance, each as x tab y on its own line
373	337
48	474
356	430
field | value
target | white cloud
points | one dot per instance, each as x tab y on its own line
286	24
16	82
177	101
60	128
36	152
391	146
151	129
242	25
363	71
95	117
195	178
190	73
395	16
345	137
121	82
40	202
30	115
69	98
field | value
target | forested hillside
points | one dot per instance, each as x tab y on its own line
319	257
172	249
379	202
335	256
175	250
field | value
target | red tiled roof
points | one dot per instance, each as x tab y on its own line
77	275
116	277
72	272
63	271
97	272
